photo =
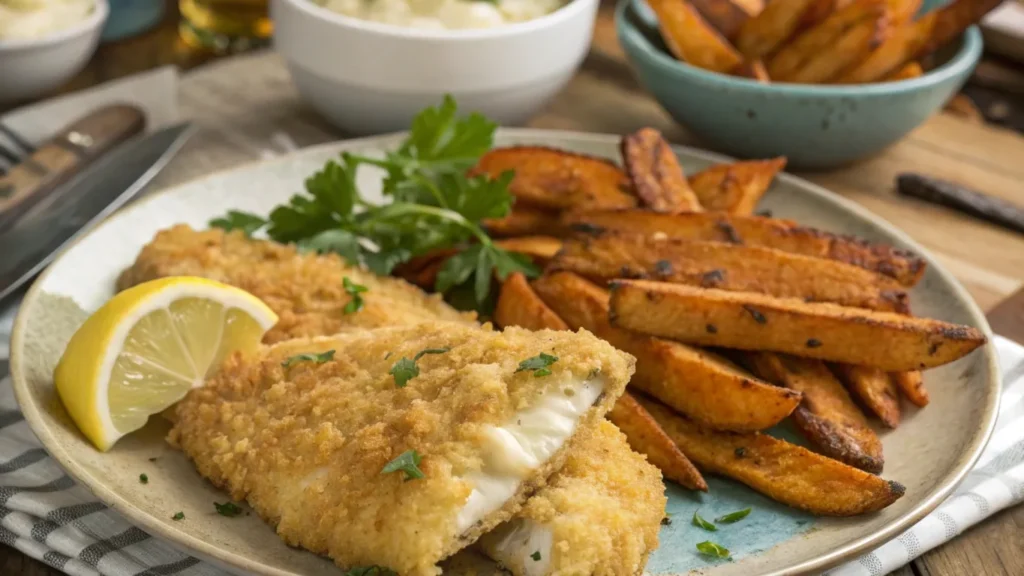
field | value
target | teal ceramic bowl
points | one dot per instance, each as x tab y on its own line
814	126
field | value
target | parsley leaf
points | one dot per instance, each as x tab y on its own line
405	369
408	462
734	517
178	516
229	509
143	479
539	364
370	571
702	523
535	556
355	291
247	222
709	548
309	357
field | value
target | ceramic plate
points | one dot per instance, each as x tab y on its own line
929	453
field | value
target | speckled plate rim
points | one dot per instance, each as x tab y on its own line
233	562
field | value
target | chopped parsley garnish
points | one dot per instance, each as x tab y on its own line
535	556
405	369
229	509
702	523
734	517
434	203
178	516
709	548
370	571
356	292
309	357
407	462
143	479
539	364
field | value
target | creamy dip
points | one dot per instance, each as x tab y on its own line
443	14
26	19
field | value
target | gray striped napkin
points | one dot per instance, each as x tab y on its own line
44	514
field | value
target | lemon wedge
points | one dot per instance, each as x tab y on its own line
148	346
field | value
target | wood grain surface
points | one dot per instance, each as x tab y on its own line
956	145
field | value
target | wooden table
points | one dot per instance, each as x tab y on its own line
604	97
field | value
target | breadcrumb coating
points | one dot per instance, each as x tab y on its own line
603	509
304	290
305	445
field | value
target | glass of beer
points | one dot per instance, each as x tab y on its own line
225	26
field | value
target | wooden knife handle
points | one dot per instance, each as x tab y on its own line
64	155
962	199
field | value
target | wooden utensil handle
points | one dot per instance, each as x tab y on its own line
962	199
64	155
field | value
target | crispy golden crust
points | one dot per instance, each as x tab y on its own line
305	290
604	509
553	179
763	34
735	188
305	445
647	438
691	39
657	177
736	268
911	384
785	235
782	471
750	321
796	54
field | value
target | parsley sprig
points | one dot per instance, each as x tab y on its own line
539	364
405	369
435	204
709	548
408	462
309	357
356	292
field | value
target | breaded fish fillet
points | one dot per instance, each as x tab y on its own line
306	444
304	290
599	516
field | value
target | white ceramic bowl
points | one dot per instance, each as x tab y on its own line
33	67
367	77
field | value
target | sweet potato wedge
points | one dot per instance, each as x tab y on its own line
819	10
903	11
519	305
727	16
782	471
795	55
658	179
776	233
732	267
911	384
646	437
827	416
905	72
735	188
761	35
525	221
698	383
691	39
875	390
540	249
749	321
555	179
753	69
847	49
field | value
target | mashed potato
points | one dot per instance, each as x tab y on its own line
443	14
24	19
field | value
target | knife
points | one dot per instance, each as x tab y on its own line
94	193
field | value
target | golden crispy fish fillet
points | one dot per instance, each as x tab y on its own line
306	444
600	515
305	290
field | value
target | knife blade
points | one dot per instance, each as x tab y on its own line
81	203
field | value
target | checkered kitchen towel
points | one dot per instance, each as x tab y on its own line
45	515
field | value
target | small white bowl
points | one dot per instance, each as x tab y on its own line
367	77
33	67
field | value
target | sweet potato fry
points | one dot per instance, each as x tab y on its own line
657	177
874	388
749	321
412	269
731	267
753	69
782	471
827	416
776	233
519	305
700	384
819	10
540	249
851	46
911	384
525	221
906	72
807	45
646	437
727	16
903	11
691	38
555	179
735	188
763	34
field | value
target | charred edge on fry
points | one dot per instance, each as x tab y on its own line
730	232
740	452
813	343
897	488
712	278
663	267
587	228
711	329
755	314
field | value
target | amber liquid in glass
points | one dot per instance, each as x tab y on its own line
225	26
